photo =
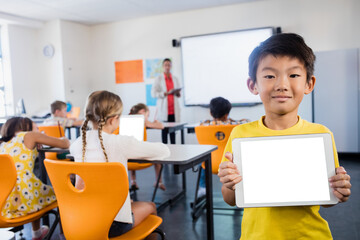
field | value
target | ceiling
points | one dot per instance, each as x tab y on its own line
92	12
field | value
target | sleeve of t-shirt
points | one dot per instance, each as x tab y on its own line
134	149
228	147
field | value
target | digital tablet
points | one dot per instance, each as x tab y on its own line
132	125
174	90
284	170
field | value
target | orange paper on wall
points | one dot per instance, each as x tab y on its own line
129	71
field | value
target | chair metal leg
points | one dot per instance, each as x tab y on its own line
17	229
55	223
157	184
199	204
160	232
51	230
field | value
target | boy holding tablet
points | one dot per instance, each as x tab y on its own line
281	72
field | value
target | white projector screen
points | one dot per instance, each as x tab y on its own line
217	65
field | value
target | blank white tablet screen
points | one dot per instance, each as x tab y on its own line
132	125
284	170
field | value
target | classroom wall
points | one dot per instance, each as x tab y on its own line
325	25
85	55
35	78
41	80
76	53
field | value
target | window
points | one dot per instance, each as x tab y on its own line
6	105
2	87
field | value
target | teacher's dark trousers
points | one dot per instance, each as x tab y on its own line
171	118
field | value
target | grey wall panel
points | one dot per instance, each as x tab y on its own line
336	96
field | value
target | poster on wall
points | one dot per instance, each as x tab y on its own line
129	71
150	101
153	67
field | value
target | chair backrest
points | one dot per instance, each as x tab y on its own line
214	135
74	113
52	131
7	180
88	213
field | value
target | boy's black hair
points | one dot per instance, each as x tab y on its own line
284	44
219	107
166	60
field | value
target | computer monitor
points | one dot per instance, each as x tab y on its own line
20	107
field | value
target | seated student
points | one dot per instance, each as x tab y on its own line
103	110
58	116
219	110
281	72
19	139
141	108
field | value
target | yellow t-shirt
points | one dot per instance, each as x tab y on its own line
300	222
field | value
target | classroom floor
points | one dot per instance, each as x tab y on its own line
344	219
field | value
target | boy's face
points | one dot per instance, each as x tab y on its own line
61	113
281	84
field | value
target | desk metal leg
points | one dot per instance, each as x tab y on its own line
77	132
43	175
184	181
69	132
209	200
182	136
43	178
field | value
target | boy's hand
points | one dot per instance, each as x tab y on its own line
228	173
341	184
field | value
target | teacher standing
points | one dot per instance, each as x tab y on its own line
167	89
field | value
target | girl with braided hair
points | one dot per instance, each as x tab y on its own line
102	113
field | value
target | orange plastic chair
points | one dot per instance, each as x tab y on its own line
52	131
214	135
7	182
74	113
88	213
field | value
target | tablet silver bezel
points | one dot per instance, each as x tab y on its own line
330	165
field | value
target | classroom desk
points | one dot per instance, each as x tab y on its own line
191	127
184	157
171	127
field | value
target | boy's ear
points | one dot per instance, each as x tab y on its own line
252	86
310	85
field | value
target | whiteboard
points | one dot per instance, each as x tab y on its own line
217	65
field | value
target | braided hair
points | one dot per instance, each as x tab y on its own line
100	106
